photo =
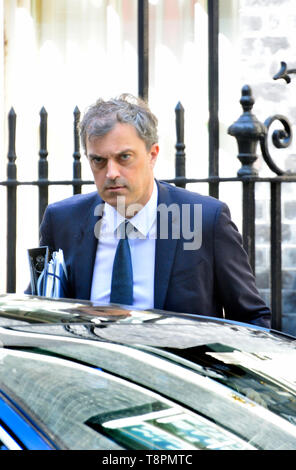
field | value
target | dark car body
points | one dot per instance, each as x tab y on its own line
75	375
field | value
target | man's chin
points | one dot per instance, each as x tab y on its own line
122	204
115	199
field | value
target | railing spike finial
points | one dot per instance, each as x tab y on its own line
76	113
247	101
43	164
248	131
43	153
180	146
76	153
12	135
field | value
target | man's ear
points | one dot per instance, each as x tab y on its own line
153	154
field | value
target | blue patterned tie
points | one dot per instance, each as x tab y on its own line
122	274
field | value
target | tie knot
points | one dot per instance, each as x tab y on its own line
124	229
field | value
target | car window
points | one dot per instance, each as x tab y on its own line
87	408
90	408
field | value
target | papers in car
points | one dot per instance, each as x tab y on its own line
48	272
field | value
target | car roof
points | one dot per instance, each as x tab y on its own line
122	324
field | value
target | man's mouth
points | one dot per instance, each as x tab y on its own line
115	188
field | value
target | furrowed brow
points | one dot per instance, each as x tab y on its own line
122	152
94	155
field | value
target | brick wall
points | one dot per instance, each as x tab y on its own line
267	37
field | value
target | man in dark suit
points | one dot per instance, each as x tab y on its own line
186	253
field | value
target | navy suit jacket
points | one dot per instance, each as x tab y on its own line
214	278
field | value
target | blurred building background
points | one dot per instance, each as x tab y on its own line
66	53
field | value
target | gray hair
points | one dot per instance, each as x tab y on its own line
101	117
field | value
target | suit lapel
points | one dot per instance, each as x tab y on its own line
164	252
86	249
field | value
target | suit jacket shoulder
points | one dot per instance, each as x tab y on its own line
184	195
171	194
74	203
211	207
63	219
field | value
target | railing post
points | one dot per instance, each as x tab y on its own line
276	254
248	131
213	84
180	146
76	154
43	165
248	227
11	205
143	49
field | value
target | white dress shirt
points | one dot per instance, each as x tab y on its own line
142	246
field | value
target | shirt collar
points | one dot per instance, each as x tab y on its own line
142	221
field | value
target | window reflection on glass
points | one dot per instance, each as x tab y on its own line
87	407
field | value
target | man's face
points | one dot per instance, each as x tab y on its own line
122	165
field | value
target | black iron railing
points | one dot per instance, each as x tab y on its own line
248	131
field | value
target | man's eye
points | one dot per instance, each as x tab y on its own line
97	160
125	156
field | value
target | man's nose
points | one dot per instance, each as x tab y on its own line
112	170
